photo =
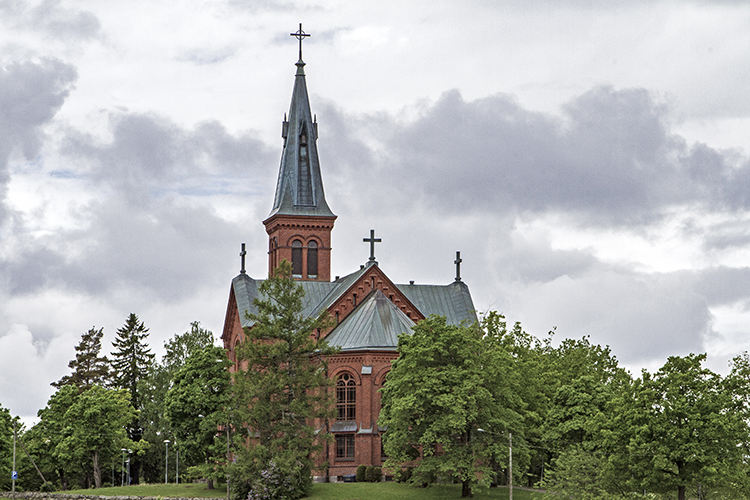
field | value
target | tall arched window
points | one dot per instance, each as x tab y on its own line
346	398
312	260
297	258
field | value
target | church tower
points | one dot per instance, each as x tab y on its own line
300	223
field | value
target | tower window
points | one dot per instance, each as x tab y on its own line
346	398
297	259
312	260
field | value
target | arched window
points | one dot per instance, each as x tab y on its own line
297	258
312	260
346	398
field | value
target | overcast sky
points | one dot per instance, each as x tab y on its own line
590	160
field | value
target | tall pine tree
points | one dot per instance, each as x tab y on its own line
131	362
89	368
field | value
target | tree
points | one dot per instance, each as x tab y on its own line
194	407
680	430
152	392
6	448
448	382
89	368
283	390
131	362
95	428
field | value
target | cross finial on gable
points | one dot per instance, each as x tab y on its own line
242	256
372	240
458	266
300	35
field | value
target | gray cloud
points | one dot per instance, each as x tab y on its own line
30	95
51	18
610	159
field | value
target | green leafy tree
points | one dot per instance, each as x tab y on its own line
89	368
95	428
283	389
152	391
448	382
131	361
680	430
194	407
6	448
51	430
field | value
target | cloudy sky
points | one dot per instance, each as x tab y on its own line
590	160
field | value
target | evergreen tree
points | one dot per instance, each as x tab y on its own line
6	448
283	389
89	368
131	362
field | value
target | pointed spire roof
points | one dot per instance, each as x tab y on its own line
299	188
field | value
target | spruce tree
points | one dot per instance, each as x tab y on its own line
131	362
89	368
283	390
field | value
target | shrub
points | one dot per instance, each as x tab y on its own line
403	475
275	483
361	473
374	474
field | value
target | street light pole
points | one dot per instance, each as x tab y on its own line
166	462
510	459
177	472
122	470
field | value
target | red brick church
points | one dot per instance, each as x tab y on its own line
370	310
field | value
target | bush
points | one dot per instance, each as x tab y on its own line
403	475
275	483
374	474
361	473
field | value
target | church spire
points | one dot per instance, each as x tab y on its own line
299	188
300	223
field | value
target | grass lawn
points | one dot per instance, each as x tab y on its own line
331	491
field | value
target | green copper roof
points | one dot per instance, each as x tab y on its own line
375	324
299	188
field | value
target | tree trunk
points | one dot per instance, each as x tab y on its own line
466	489
97	470
680	493
209	484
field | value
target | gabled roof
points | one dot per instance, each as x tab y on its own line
452	301
375	324
299	188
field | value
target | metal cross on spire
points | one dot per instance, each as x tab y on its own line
242	255
300	35
372	240
458	266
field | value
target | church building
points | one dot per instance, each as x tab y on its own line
369	309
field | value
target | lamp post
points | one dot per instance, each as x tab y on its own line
510	459
177	472
122	471
166	462
129	452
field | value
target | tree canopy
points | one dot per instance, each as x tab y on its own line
89	368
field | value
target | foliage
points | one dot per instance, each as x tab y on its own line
95	427
284	387
131	362
152	391
279	483
6	448
373	474
194	406
447	382
679	430
361	473
89	368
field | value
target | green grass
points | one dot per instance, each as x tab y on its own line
332	491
